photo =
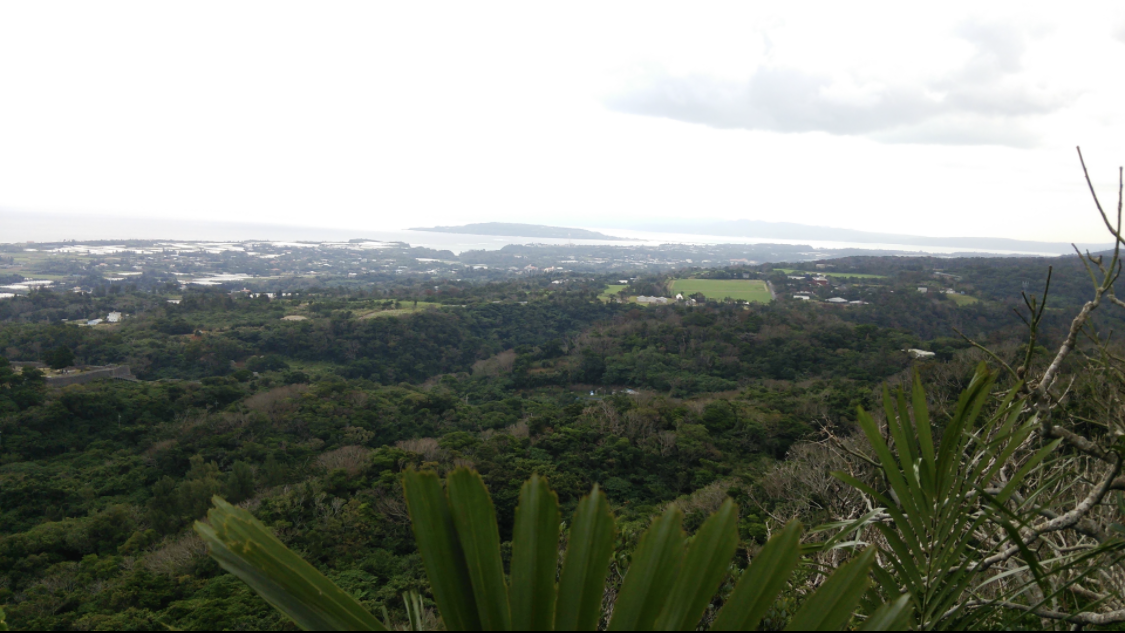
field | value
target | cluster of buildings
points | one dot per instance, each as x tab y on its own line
948	291
112	317
664	300
833	300
816	281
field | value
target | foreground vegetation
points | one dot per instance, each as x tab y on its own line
998	524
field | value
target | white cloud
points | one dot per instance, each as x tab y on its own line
980	102
385	115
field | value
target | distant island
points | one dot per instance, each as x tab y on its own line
794	231
523	230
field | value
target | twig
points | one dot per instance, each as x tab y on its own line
989	352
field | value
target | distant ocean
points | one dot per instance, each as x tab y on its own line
17	227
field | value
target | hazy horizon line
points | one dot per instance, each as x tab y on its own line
51	226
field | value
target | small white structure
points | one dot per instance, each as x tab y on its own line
801	297
174	301
798	278
94	322
114	317
857	303
920	354
923	290
837	300
652	300
680	296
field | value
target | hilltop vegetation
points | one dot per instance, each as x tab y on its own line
310	424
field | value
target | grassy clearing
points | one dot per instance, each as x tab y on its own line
405	309
754	290
611	291
790	271
963	300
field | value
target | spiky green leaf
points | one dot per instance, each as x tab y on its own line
535	557
651	574
475	519
892	616
588	553
442	556
831	607
922	427
762	582
704	566
249	550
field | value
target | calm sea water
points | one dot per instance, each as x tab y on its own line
39	227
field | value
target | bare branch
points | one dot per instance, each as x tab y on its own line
989	352
1116	232
1109	617
1061	522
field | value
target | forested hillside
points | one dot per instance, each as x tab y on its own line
307	409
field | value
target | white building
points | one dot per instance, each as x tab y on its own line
652	300
923	290
114	317
920	354
801	297
837	300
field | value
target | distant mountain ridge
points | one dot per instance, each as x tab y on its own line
795	231
507	229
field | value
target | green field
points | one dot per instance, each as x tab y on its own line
611	291
963	300
790	271
405	309
753	290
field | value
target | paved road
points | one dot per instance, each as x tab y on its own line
773	295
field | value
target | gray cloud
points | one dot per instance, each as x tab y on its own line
982	102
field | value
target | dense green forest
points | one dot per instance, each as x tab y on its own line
308	409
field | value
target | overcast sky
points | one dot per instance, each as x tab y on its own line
944	119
